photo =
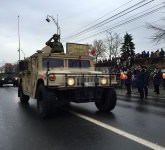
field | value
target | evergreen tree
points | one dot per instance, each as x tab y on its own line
128	47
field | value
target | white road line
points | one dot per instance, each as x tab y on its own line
120	132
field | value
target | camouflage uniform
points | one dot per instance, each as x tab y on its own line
56	46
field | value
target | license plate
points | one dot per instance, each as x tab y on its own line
89	84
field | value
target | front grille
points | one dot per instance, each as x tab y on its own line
81	80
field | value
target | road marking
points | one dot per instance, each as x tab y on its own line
120	132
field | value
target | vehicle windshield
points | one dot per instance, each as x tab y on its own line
53	62
78	63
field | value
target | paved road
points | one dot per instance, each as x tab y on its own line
131	125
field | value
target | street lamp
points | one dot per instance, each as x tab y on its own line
48	19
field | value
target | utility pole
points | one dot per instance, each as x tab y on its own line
19	41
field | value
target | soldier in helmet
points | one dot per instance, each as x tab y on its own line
56	46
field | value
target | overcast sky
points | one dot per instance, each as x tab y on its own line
74	15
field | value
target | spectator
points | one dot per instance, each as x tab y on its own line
122	77
140	81
148	54
128	81
157	53
146	81
134	78
163	78
161	52
156	80
152	54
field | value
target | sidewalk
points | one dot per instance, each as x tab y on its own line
151	94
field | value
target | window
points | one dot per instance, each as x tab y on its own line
53	62
78	63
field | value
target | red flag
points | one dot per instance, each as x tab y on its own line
93	52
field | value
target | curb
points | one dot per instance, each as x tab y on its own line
150	98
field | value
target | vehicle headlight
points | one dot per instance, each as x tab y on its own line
3	78
70	81
52	77
103	81
16	78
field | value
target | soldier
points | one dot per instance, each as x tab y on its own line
56	46
156	80
140	81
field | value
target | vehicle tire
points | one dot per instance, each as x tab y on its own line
108	101
43	102
23	98
1	84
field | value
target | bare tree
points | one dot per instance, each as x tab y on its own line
117	44
113	42
159	35
99	47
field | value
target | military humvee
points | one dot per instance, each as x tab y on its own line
56	79
8	78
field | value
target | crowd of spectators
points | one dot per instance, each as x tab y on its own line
115	64
147	54
142	78
152	77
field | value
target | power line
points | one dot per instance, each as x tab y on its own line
116	15
133	16
126	22
125	13
141	26
104	16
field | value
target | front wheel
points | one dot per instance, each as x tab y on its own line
108	101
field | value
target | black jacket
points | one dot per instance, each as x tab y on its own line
129	78
157	78
146	78
140	79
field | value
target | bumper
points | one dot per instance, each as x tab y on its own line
79	95
8	81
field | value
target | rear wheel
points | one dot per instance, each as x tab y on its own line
108	101
23	98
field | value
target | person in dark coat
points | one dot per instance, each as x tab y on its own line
128	81
156	80
146	81
140	81
164	83
163	78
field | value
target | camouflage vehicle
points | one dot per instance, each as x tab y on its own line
8	78
56	79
